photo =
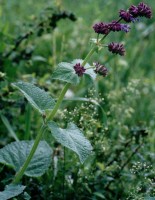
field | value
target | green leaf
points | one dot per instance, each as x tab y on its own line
9	127
37	97
65	72
72	138
11	191
100	195
15	154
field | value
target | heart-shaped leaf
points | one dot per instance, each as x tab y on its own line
11	191
15	154
37	97
72	138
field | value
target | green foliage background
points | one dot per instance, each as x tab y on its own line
126	95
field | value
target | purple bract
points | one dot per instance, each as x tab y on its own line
79	70
116	48
100	69
125	15
144	10
133	10
101	28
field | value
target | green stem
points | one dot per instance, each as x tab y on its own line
90	67
28	122
19	175
60	99
89	55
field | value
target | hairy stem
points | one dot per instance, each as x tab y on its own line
28	122
59	101
89	55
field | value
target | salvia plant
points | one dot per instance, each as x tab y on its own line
33	158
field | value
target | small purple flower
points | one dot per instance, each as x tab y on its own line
116	48
133	10
144	10
79	70
101	28
125	28
136	19
125	15
100	69
115	26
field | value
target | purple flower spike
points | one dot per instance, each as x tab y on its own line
100	69
116	48
133	10
125	15
79	70
144	10
101	28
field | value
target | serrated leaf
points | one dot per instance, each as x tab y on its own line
11	191
37	97
15	154
72	138
65	72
